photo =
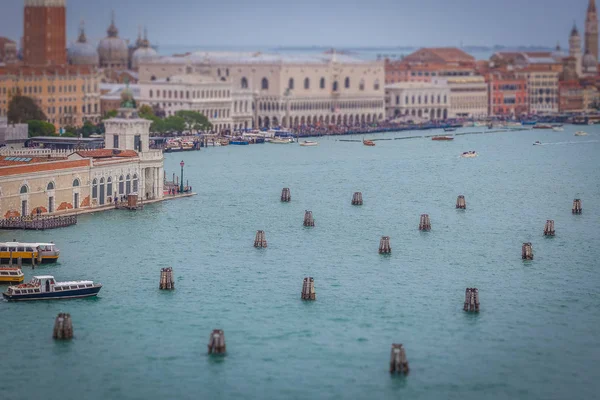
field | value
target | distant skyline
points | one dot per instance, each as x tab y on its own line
271	23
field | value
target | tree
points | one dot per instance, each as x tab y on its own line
146	111
22	109
41	128
194	120
110	114
88	129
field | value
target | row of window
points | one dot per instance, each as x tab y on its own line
306	106
124	186
423	99
264	85
29	90
194	94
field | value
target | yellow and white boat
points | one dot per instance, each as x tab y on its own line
11	275
41	252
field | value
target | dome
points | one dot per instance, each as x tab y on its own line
81	52
574	31
143	53
113	50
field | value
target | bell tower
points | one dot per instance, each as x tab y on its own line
44	33
591	30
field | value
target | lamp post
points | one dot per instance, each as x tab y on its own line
181	186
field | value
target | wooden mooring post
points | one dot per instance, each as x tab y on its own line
260	241
471	300
461	204
166	279
10	260
308	289
308	219
20	262
357	199
577	207
398	361
286	195
527	251
216	342
384	245
63	327
549	228
424	223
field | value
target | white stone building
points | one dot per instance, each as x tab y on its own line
542	86
468	97
288	90
423	100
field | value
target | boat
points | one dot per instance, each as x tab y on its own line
580	133
537	142
47	251
442	138
513	124
239	142
469	154
44	287
11	275
529	123
558	129
277	140
368	143
308	143
542	126
449	129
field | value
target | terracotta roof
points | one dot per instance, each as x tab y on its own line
107	153
446	55
40	167
404	66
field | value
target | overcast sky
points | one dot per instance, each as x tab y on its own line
321	22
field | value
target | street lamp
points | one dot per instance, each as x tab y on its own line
181	187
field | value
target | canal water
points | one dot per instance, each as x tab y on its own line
536	336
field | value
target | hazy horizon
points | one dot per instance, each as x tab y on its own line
351	23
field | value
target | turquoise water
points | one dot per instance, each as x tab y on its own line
536	336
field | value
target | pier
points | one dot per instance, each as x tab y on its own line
38	222
461	204
260	240
471	300
129	203
216	342
166	279
398	361
308	219
357	199
549	228
424	223
527	251
308	289
63	327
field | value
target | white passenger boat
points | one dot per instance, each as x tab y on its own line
558	128
469	154
44	287
580	133
308	143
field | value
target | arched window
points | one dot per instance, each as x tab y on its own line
128	184
291	84
335	86
109	186
219	71
347	83
264	85
445	99
306	83
322	83
419	99
244	83
227	71
95	188
76	183
121	185
24	189
50	186
361	85
150	93
376	85
135	178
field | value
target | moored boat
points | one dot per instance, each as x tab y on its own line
41	252
580	133
277	140
238	142
309	143
442	138
542	126
558	129
11	275
449	129
368	143
44	287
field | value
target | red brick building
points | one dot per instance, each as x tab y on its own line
507	95
44	36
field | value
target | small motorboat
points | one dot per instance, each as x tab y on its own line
308	143
469	154
442	138
449	129
580	133
542	126
277	140
368	143
239	142
558	129
537	142
11	275
44	287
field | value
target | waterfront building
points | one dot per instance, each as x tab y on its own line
424	100
542	86
81	52
507	95
571	97
44	35
288	90
8	51
468	97
112	50
440	55
48	181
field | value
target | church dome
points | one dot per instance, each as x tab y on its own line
82	52
113	50
143	53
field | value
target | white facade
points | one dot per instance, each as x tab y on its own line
423	100
542	89
288	90
468	97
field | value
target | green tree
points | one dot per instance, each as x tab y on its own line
69	134
146	111
174	123
88	129
22	109
194	120
110	114
41	128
